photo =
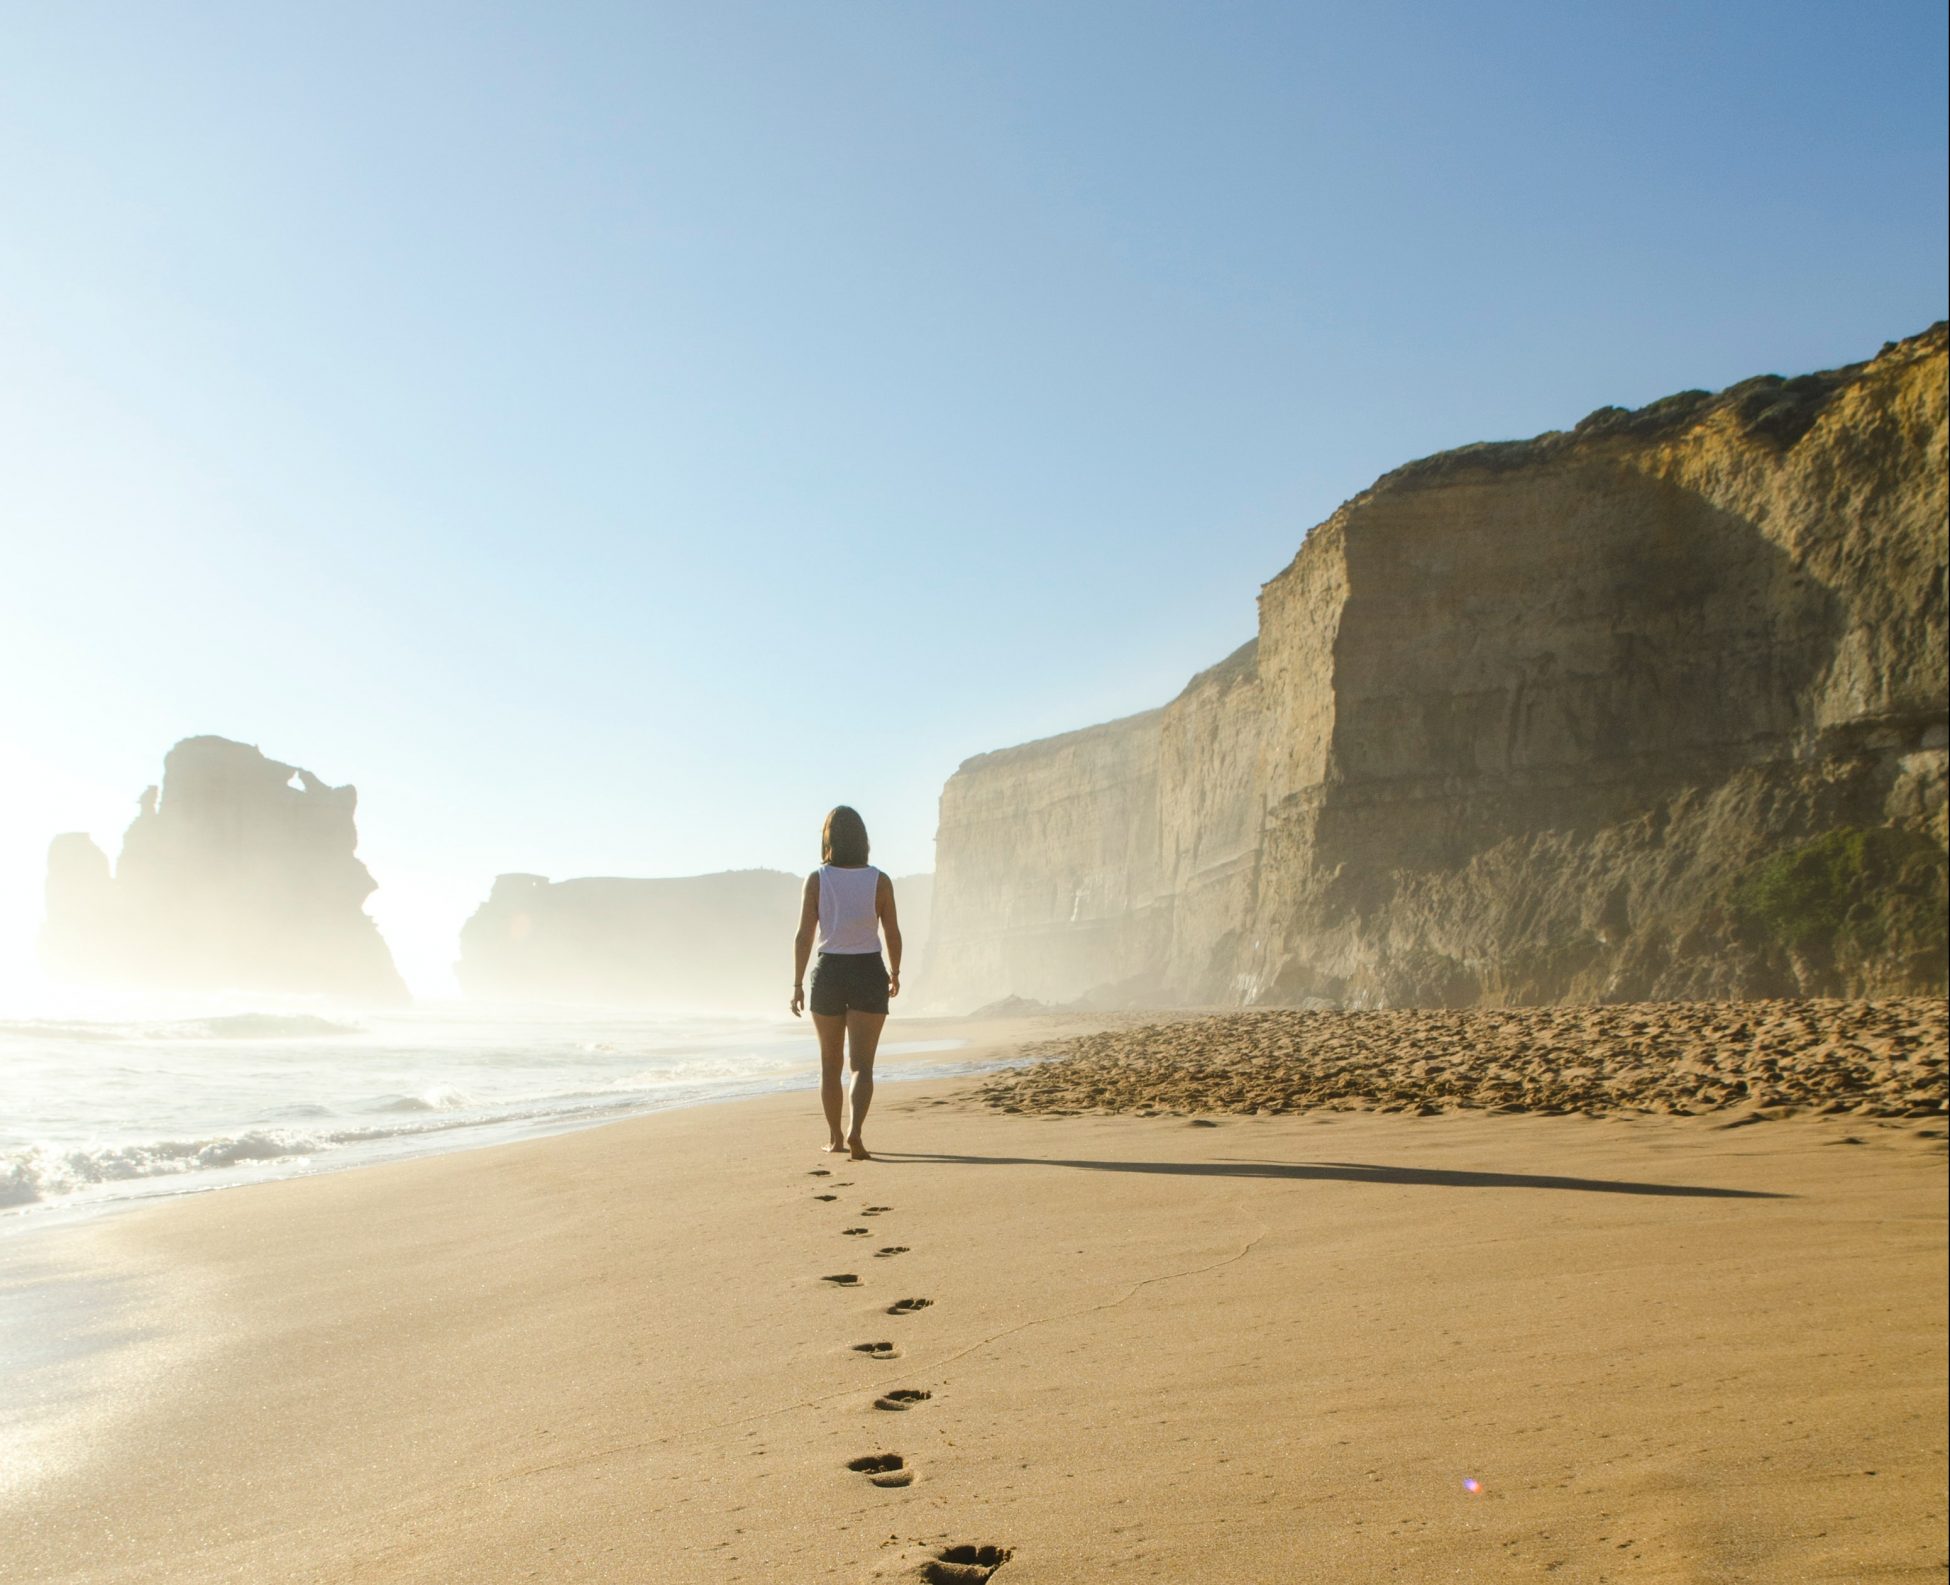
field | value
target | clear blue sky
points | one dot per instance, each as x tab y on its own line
611	434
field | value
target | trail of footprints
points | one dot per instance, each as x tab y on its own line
951	1565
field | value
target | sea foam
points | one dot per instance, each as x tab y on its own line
94	1113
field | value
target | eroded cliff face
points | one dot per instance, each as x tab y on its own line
1525	722
1048	855
697	942
238	873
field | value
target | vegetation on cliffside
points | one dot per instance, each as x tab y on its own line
1851	896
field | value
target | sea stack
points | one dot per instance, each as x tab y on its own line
238	873
1649	709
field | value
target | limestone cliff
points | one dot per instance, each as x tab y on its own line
237	873
700	942
1651	708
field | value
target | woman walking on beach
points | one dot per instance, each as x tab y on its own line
849	905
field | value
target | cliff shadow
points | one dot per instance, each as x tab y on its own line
1535	676
1346	1172
1533	640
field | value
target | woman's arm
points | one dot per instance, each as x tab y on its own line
890	927
802	943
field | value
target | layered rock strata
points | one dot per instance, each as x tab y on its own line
238	873
718	942
1604	715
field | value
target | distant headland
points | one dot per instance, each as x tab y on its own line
718	941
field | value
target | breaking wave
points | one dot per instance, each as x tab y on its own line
440	1098
255	1026
39	1172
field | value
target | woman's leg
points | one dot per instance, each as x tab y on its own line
862	1040
831	1028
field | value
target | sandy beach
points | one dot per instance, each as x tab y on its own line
1592	1342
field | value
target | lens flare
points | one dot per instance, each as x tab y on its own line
1472	1485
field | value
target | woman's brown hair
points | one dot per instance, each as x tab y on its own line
843	839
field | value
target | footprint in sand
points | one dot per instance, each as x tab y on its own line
877	1350
964	1565
819	1172
855	1232
891	1249
825	1196
883	1469
844	1279
874	1210
908	1306
901	1398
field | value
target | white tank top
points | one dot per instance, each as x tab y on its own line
848	919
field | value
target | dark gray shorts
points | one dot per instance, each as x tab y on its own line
849	982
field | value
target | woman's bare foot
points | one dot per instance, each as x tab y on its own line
857	1150
835	1147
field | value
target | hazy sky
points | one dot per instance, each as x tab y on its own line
611	434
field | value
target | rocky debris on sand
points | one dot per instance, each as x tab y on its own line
1882	1058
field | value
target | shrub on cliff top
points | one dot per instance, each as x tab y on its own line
1860	891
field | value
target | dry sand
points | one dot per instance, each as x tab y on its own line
1233	1348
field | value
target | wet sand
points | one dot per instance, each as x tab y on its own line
1219	1347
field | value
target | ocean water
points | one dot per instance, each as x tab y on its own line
96	1112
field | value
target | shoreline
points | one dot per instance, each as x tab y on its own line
941	1046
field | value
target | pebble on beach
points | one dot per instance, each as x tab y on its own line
1875	1059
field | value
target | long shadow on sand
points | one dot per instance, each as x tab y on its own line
1349	1172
